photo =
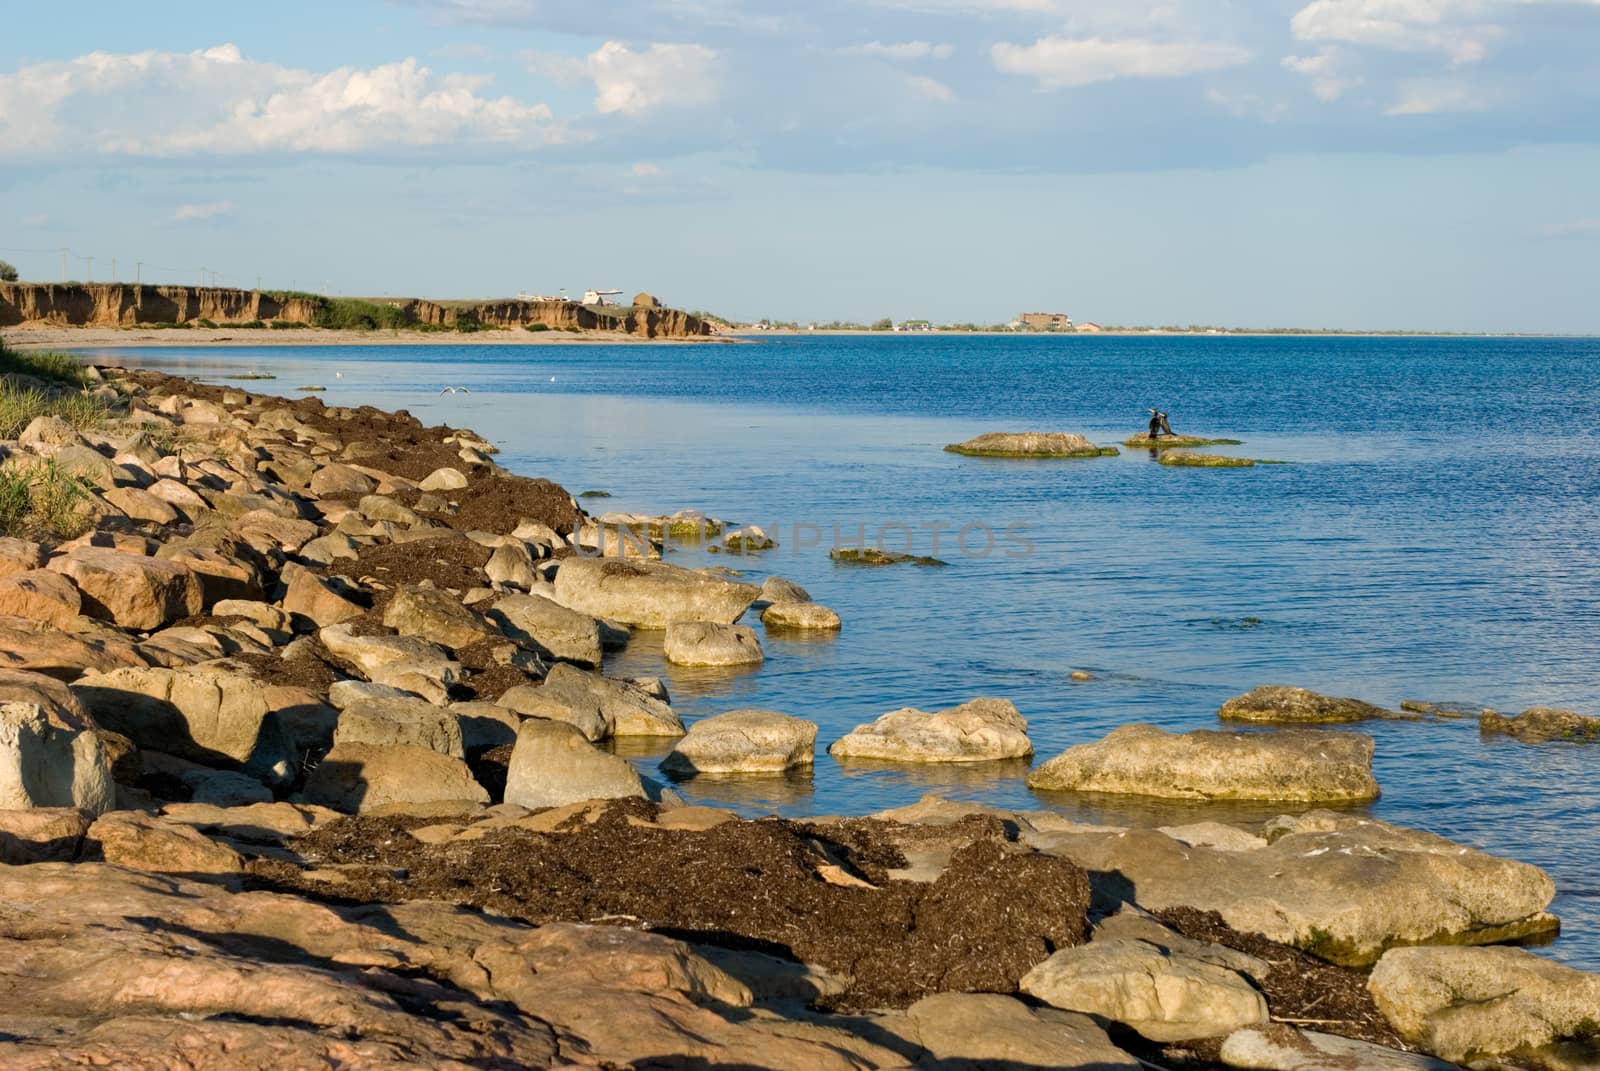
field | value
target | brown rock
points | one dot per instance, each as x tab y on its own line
143	842
310	596
42	835
31	645
40	596
141	505
19	556
358	777
434	615
131	591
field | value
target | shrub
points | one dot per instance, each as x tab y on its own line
8	272
287	325
42	498
208	324
537	327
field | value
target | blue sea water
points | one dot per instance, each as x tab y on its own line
1435	535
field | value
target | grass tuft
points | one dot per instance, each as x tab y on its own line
42	499
55	367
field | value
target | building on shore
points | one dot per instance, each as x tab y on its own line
914	325
1045	321
1089	327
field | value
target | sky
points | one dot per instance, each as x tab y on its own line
1362	164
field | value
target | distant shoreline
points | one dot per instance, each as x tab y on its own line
787	332
54	337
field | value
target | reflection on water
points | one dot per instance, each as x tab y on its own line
790	791
1432	540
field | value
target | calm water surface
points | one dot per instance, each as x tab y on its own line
1435	536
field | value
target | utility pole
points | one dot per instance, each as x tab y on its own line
138	273
203	276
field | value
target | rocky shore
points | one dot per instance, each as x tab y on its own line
304	762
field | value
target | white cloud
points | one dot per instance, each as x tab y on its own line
635	83
1431	96
1326	71
1459	28
645	170
218	101
1248	105
931	88
209	210
902	50
1061	62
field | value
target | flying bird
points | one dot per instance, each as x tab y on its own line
455	390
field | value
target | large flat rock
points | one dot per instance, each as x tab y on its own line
980	731
1342	887
649	594
1145	760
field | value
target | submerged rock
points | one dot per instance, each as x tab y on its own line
1279	703
874	556
1167	442
801	617
1540	725
980	731
1144	760
743	742
1186	459
1026	444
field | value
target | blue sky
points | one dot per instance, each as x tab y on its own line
1345	163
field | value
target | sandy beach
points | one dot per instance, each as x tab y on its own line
51	337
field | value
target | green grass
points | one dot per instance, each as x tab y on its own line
20	406
55	367
243	325
537	327
287	325
42	499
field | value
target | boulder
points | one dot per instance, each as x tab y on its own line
649	594
748	540
205	714
38	647
262	614
342	694
980	731
743	742
40	595
145	842
1163	994
221	575
360	777
1144	760
141	505
1192	460
800	616
705	643
426	612
44	763
1279	1047
313	597
511	564
1278	703
987	1030
227	788
601	707
553	764
445	479
1218	835
1026	444
338	479
384	722
775	589
267	531
1540	725
485	726
41	835
19	556
549	629
1341	887
129	590
1469	1003
178	495
400	661
325	550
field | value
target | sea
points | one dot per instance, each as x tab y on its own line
1433	534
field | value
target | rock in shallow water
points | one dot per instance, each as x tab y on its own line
743	742
1279	703
703	643
980	731
800	616
1035	444
1541	725
553	764
1146	760
649	594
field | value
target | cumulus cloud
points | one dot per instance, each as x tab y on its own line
1064	63
637	82
197	212
931	88
1326	71
220	102
1459	28
902	50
